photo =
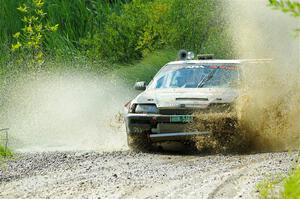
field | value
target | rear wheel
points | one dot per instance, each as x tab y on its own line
138	142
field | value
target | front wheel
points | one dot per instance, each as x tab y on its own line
138	142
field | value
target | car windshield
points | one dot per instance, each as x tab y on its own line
196	76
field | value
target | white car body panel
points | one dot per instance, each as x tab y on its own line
193	98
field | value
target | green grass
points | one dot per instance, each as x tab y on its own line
267	187
5	152
292	185
288	186
145	69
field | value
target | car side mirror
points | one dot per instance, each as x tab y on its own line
140	86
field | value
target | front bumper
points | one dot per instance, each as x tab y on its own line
162	127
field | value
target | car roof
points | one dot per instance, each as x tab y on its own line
222	61
209	61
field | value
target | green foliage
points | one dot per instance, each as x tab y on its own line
146	69
266	187
121	33
29	42
77	20
121	30
287	6
4	152
292	185
143	27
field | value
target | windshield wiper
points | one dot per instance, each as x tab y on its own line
207	78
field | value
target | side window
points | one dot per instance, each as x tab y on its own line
160	82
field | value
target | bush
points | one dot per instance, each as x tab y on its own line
144	27
121	33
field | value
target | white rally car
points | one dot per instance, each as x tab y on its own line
165	108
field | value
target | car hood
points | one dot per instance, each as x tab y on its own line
189	98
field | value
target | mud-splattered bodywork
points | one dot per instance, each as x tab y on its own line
167	112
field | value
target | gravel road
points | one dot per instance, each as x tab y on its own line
125	174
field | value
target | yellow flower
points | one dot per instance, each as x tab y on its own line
16	46
34	18
40	55
25	19
40	12
27	29
40	61
23	8
39	36
36	44
53	28
17	35
38	3
39	27
36	39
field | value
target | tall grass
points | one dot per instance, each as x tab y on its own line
80	18
77	19
123	30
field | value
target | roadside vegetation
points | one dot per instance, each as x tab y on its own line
5	152
116	31
282	186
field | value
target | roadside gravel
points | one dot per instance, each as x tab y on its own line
125	174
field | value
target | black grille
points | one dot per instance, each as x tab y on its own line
177	111
215	108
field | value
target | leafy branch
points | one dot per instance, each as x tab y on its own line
286	6
29	41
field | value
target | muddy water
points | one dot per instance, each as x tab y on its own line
269	101
69	111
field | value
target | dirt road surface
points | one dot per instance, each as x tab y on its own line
125	174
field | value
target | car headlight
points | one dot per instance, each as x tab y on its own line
146	108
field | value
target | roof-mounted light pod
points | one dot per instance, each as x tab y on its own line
190	55
185	55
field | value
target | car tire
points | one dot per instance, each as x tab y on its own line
138	142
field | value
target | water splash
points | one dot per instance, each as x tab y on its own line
69	111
